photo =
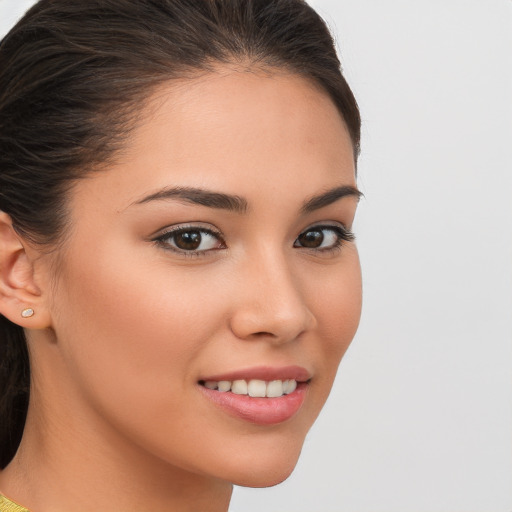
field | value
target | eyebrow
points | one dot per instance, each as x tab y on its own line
330	197
237	204
200	196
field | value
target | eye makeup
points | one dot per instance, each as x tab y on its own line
198	240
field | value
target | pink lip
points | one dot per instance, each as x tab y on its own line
266	373
260	411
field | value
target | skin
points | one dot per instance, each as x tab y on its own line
125	327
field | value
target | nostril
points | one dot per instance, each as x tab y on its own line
281	316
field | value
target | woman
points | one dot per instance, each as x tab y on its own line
178	276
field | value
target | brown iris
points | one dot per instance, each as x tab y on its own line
311	239
188	240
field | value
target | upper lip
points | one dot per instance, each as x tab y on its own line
266	373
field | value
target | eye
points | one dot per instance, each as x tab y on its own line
191	240
323	237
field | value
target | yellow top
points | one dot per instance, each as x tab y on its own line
9	506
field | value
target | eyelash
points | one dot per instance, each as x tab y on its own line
343	235
171	234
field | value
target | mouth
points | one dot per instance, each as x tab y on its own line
263	396
254	388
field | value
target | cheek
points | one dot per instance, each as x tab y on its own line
132	336
337	308
128	325
337	302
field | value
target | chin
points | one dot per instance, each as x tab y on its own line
269	479
266	473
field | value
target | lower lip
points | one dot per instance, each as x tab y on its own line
261	411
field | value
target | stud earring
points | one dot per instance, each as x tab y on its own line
27	313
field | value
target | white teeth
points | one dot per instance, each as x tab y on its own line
254	388
257	388
289	386
275	389
239	387
224	385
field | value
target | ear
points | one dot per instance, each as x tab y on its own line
18	288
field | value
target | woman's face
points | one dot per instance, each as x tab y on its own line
217	249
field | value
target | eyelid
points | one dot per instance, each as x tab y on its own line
165	233
199	226
328	224
333	225
344	235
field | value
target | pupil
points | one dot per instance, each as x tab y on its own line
189	240
311	239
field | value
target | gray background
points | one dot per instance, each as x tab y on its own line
420	418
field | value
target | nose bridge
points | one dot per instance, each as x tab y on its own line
271	299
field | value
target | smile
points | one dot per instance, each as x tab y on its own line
254	387
260	395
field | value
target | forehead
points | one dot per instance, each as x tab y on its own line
235	131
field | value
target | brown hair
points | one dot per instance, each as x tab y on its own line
73	75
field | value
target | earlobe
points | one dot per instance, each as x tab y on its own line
21	300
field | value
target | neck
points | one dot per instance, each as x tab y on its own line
55	471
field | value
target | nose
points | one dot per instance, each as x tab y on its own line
270	303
